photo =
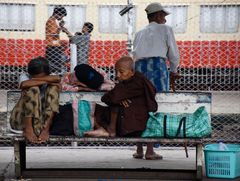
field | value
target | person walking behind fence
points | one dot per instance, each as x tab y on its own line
82	41
152	45
38	103
54	51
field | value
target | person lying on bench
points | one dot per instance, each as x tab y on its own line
38	103
85	78
129	102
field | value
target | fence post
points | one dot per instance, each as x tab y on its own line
73	56
130	30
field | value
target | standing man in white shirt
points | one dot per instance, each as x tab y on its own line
152	46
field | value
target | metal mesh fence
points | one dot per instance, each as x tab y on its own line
93	32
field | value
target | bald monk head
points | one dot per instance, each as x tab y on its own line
124	68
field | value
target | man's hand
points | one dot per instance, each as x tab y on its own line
85	89
65	30
49	79
61	23
56	84
126	103
78	84
173	78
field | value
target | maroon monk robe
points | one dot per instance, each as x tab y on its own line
141	92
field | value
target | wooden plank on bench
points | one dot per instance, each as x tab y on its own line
117	139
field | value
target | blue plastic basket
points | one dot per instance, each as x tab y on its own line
222	164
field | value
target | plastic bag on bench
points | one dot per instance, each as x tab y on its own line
195	125
83	113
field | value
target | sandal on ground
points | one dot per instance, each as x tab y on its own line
137	155
154	156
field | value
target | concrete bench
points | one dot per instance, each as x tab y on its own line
181	102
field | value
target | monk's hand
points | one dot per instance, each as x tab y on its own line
173	78
126	103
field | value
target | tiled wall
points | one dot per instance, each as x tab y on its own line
209	54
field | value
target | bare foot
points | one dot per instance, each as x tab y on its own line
153	156
30	135
139	152
43	137
138	155
100	132
112	133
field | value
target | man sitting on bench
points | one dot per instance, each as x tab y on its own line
35	109
129	103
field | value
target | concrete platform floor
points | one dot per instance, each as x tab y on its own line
94	157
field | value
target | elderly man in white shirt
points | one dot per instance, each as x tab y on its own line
152	46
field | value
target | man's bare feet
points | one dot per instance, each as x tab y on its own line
43	137
28	132
150	154
153	156
100	132
139	153
30	135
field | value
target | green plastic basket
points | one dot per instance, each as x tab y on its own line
222	163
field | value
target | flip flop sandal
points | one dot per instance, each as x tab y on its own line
138	156
155	156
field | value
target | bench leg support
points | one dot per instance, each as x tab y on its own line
20	157
199	161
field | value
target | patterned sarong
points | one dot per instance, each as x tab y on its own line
155	69
30	104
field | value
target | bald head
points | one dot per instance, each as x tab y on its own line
125	62
124	68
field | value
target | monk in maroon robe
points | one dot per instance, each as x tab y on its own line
129	103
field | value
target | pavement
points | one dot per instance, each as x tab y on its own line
95	157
